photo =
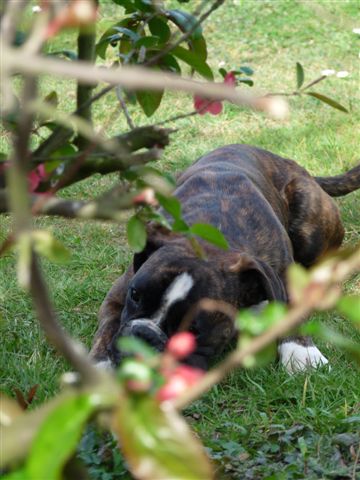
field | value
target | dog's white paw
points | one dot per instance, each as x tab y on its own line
297	358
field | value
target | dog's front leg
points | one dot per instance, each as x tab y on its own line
109	322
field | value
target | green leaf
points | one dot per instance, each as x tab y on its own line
47	245
194	61
149	41
17	475
66	150
185	21
298	279
136	234
132	369
145	175
127	4
247	81
149	215
53	100
20	38
210	234
171	205
144	5
350	307
243	70
149	101
180	226
199	47
160	28
168	62
70	54
157	443
58	436
107	36
254	323
247	70
300	75
332	336
52	126
132	34
136	346
328	101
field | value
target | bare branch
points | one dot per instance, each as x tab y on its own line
122	102
86	51
104	165
138	78
19	203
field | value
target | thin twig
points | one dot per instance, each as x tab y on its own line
296	92
177	117
314	82
124	107
153	60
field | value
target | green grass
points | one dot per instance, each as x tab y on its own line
258	423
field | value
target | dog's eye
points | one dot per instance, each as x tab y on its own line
134	295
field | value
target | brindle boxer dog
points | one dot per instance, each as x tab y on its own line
272	213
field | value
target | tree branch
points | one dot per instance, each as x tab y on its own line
81	165
138	78
103	165
19	203
110	206
86	51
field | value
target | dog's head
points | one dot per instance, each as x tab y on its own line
170	281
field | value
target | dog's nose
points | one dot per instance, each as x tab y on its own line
146	330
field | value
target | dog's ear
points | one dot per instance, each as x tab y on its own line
157	236
139	258
258	281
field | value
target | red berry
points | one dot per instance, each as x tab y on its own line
181	378
181	345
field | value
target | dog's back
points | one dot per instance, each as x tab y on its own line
232	189
264	204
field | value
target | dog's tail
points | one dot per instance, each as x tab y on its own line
340	184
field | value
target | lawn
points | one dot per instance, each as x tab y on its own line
257	423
